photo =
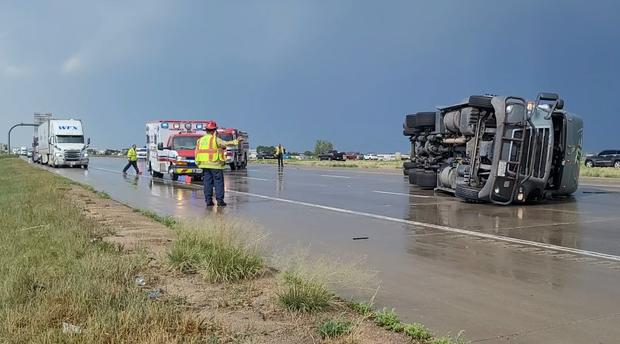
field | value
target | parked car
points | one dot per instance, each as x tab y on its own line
265	155
354	156
371	157
333	155
606	158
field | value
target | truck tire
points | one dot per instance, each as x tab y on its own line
617	164
407	165
155	174
426	179
425	120
410	131
589	163
410	121
467	193
412	177
483	102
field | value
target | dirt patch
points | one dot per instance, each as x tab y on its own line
245	312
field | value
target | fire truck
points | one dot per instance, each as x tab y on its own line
170	147
236	156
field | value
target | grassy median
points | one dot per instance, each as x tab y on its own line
59	285
600	172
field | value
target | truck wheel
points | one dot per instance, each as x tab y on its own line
85	167
410	121
425	119
467	193
589	163
617	164
426	179
413	175
156	174
481	102
407	165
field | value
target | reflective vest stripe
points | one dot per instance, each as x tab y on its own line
207	150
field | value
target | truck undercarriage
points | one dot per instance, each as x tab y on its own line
496	149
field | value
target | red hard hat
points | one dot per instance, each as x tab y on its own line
211	125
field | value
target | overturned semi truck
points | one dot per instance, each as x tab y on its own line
498	149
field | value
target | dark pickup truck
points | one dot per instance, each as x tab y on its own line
333	155
606	158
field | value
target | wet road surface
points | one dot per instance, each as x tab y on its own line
545	273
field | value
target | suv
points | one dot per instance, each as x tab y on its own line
606	158
333	155
499	149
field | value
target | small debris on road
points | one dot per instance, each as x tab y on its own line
140	281
153	294
360	238
70	328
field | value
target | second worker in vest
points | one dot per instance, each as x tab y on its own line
280	155
211	158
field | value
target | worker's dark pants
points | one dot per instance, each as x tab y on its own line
280	160
214	178
131	163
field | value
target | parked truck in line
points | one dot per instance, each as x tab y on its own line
60	142
499	149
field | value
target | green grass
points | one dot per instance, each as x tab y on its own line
335	327
600	172
449	340
418	332
166	220
51	273
304	295
362	308
219	250
389	320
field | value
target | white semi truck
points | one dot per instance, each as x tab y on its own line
60	142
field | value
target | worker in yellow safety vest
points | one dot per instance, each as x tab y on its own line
211	158
132	160
280	155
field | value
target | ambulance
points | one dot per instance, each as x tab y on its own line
170	148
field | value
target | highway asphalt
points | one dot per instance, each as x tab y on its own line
545	273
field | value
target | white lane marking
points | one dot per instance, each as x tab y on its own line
254	178
600	185
402	194
440	227
334	176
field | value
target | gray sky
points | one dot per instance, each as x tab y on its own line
293	71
